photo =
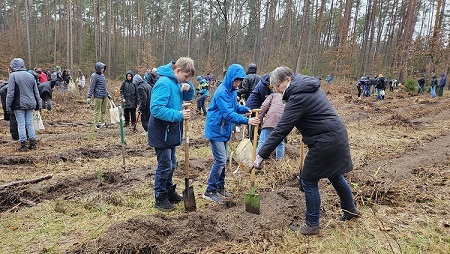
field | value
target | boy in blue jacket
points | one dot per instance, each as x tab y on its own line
224	111
165	126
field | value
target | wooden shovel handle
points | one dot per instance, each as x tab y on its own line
186	143
255	135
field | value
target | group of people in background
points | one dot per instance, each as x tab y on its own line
433	85
29	90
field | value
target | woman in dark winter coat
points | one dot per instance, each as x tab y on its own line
308	109
128	94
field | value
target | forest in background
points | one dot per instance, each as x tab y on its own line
344	38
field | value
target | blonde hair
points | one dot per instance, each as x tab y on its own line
186	64
280	74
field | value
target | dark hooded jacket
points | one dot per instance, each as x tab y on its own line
22	88
259	93
308	109
97	85
224	111
249	83
128	91
144	92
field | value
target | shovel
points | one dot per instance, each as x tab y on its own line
188	193
252	200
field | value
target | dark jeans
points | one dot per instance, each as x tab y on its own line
312	197
167	162
201	104
46	101
441	91
145	115
130	112
359	91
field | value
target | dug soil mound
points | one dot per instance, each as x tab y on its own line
198	231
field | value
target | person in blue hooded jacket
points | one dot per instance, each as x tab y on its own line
204	94
165	126
98	90
309	110
223	112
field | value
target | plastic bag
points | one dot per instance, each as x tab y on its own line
37	121
114	112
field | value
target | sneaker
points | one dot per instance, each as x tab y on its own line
309	230
103	125
348	215
223	194
163	204
213	196
23	146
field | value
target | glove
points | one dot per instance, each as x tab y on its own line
110	97
257	164
88	100
123	100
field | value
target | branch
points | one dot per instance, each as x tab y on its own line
24	182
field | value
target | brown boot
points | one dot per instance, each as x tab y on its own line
32	144
23	146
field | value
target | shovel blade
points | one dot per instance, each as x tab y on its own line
252	203
189	199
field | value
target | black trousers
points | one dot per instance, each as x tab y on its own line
145	116
130	112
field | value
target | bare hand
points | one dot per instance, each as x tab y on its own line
249	113
185	87
186	113
253	121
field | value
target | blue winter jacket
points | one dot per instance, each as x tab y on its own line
259	93
224	111
165	123
97	86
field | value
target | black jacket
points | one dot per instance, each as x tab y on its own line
249	83
259	93
144	92
308	109
128	91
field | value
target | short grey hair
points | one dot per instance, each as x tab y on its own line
280	74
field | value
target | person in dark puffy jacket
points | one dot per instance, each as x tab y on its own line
259	93
249	83
144	93
128	94
98	90
309	110
23	98
442	84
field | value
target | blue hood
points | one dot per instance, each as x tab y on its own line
234	71
17	64
167	71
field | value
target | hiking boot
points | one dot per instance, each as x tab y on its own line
348	215
32	144
126	124
174	197
23	146
163	204
213	196
223	194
